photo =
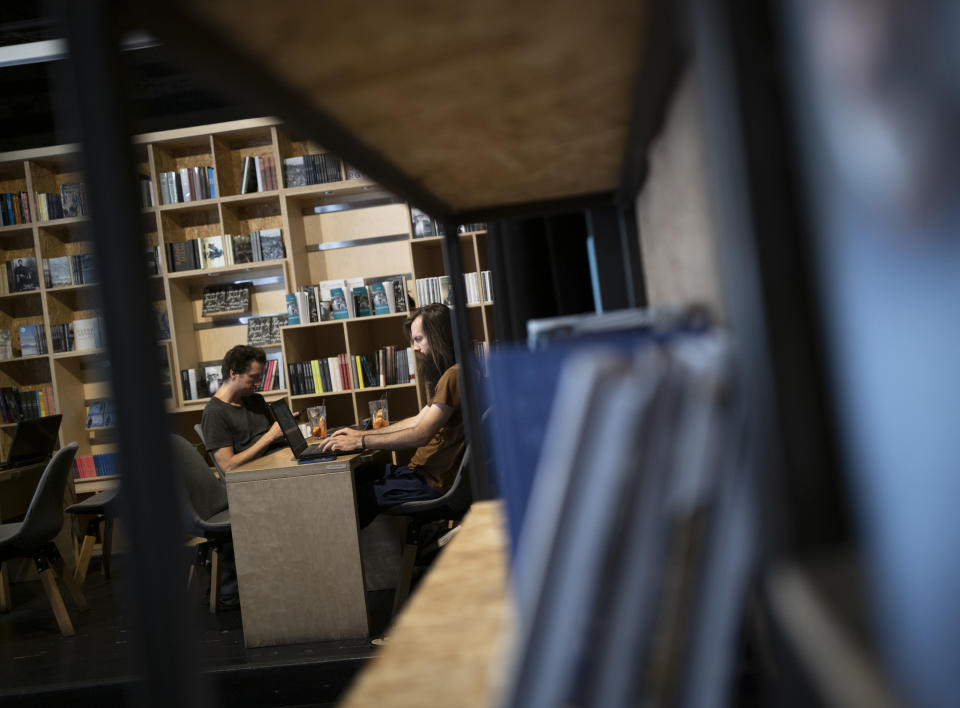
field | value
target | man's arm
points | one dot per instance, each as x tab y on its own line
227	459
408	433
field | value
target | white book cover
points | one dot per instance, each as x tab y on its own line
327	285
335	378
410	365
188	195
258	164
86	334
228	249
192	376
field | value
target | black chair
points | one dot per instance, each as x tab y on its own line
103	507
205	510
33	537
198	428
450	507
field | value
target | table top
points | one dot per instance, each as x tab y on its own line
15	472
282	463
448	642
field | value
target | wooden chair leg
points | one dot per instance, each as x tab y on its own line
5	604
107	546
214	580
49	580
83	562
74	589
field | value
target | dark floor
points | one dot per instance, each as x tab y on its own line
38	666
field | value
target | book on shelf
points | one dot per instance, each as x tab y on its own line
22	274
381	302
153	260
146	191
213	375
424	225
14	208
88	333
338	304
271	244
33	339
294	172
361	301
352	172
395	286
73	198
6	344
100	413
213	252
232	298
161	319
103	464
293	309
84	268
265	330
61	335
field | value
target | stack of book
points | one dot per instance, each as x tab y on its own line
35	402
272	374
14	208
225	250
103	464
62	337
188	184
312	169
259	174
89	333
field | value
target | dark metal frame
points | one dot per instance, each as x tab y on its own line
168	668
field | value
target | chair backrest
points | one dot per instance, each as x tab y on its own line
45	514
451	505
198	428
203	496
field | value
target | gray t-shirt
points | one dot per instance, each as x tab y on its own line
238	426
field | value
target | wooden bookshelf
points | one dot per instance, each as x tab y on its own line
346	228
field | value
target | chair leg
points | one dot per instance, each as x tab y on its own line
214	580
5	604
83	562
49	580
75	592
106	546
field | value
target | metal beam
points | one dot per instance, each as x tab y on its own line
151	512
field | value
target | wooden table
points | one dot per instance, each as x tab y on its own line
297	551
449	641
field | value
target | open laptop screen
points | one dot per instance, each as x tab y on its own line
281	411
33	440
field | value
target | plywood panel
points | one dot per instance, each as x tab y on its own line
298	558
483	103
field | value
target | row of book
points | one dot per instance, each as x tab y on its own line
225	250
101	413
104	464
188	184
343	372
70	201
347	298
16	404
14	208
80	335
203	381
479	287
320	168
80	269
259	174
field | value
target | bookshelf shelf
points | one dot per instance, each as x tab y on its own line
202	273
65	221
270	196
80	354
16	228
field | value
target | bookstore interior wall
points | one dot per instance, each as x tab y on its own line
253	236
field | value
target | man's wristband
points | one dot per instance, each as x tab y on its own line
363	444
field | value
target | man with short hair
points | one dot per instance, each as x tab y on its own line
436	431
237	426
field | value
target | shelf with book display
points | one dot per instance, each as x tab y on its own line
58	190
15	203
246	161
184	170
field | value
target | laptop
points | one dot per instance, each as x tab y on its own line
291	431
33	441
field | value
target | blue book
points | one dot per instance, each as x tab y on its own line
381	305
338	304
213	183
293	312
